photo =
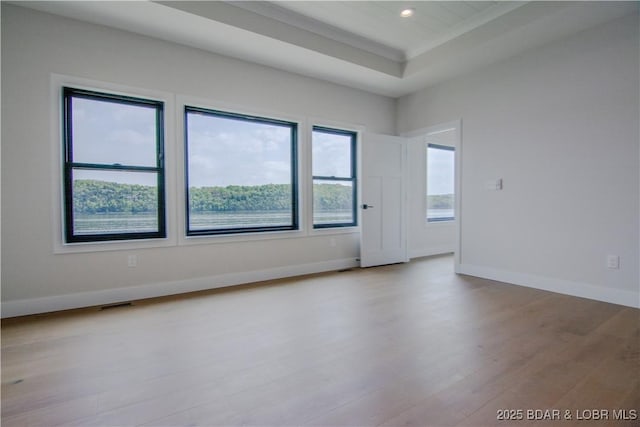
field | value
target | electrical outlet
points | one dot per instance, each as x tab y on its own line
613	262
132	260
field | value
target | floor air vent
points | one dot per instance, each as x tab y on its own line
117	305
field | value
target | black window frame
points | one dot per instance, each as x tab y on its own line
448	218
68	93
293	126
353	178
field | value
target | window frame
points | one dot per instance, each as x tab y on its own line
443	219
68	93
353	178
295	185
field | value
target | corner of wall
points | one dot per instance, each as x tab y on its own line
566	287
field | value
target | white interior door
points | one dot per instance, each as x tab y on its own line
383	237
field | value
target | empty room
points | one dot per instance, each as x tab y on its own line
320	213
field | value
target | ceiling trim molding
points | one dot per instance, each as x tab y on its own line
226	29
277	29
290	17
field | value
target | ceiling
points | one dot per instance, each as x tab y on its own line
361	44
379	21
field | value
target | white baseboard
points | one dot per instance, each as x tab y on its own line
567	287
424	252
110	296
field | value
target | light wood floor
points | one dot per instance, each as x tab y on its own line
409	344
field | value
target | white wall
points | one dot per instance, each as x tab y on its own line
35	45
559	124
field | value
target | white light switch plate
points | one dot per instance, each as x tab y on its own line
613	262
493	184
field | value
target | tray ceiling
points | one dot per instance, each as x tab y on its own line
362	44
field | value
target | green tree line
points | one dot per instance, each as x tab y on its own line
440	201
240	198
92	196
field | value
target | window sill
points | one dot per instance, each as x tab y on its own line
212	239
127	245
115	245
334	230
430	224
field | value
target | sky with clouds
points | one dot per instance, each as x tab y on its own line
331	155
221	151
113	133
224	152
440	171
106	132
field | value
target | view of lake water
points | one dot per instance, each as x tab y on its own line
439	214
147	222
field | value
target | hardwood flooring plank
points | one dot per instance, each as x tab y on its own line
410	344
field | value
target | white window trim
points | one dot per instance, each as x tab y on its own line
180	177
60	246
359	131
175	170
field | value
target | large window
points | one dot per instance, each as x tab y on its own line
334	178
440	183
241	173
113	167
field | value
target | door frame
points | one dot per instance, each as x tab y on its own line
424	132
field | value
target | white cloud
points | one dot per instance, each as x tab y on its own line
331	155
132	137
229	152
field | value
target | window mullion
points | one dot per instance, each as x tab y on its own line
333	178
114	167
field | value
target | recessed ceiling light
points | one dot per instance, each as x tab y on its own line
406	13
